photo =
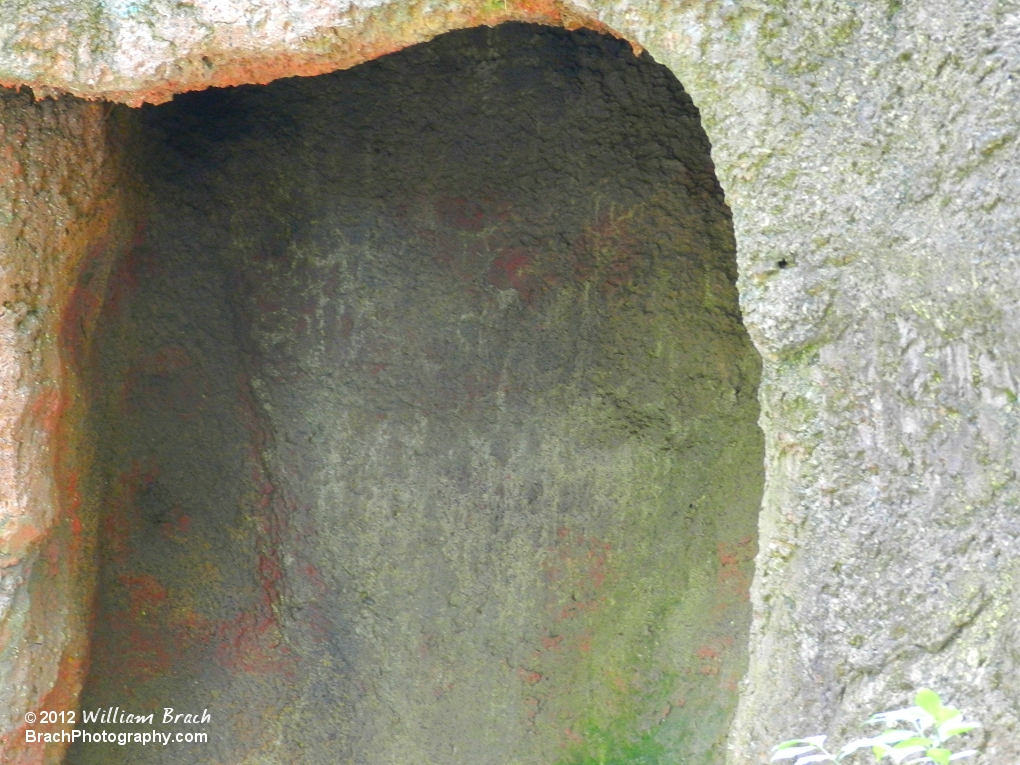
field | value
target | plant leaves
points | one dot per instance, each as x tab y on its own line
946	713
912	715
890	737
883	741
904	747
921	741
792	751
964	753
955	726
813	758
899	755
894	736
929	701
810	740
818	741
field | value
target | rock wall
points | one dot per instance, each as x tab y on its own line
869	157
868	152
63	219
428	417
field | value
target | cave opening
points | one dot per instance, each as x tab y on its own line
426	419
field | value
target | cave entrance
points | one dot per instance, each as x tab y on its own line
427	417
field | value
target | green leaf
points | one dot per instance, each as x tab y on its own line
921	741
899	755
884	740
939	755
909	747
792	751
912	715
946	713
954	727
929	701
810	740
818	741
813	758
891	737
964	753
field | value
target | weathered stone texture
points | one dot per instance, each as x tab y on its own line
429	417
58	213
871	147
135	52
874	154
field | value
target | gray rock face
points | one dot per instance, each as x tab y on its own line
429	418
869	155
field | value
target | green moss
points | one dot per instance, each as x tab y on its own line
616	745
843	32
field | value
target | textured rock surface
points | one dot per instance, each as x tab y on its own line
59	212
501	505
869	147
142	51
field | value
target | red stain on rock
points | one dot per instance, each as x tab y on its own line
53	553
607	254
135	264
170	378
147	652
462	214
252	643
514	268
529	676
619	682
314	575
712	655
551	643
707	652
166	361
442	690
72	494
45	408
83	303
579	568
727	558
532	705
572	610
178	528
734	577
145	592
189	626
120	522
116	536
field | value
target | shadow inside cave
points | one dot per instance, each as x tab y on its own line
427	418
